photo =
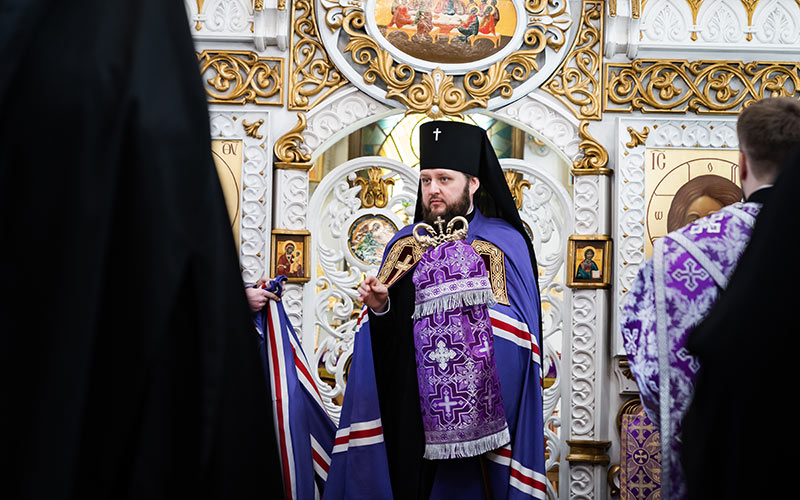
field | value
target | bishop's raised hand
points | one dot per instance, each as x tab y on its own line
373	294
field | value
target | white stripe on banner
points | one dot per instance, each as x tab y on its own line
528	480
280	400
363	318
515	331
358	434
304	374
502	456
322	462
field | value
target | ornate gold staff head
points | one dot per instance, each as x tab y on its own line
435	238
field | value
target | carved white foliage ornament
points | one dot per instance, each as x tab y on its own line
726	25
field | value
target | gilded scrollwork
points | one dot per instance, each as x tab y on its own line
287	148
516	183
240	77
312	74
576	83
374	188
251	129
703	87
437	93
595	156
637	138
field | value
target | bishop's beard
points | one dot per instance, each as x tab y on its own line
459	207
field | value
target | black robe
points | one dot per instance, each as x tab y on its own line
398	394
131	364
735	428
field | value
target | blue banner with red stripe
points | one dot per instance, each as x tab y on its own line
303	427
359	468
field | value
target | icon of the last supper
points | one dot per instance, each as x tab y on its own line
447	31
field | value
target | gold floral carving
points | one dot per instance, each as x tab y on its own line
311	72
197	25
704	87
251	129
576	83
240	77
436	94
635	8
258	5
694	5
595	156
750	7
375	189
637	138
287	148
516	183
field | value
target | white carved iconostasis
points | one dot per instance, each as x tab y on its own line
595	107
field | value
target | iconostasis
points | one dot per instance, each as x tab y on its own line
606	114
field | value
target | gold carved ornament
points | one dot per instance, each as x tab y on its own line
240	77
595	156
251	129
374	190
750	7
694	6
287	148
576	83
516	183
311	72
637	138
588	452
436	94
703	87
635	8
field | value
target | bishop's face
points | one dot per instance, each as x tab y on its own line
446	193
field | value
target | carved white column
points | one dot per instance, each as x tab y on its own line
291	207
586	357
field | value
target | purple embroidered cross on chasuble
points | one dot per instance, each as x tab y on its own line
672	293
462	409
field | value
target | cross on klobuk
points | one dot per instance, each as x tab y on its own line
442	354
448	403
689	274
436	134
